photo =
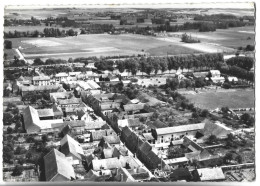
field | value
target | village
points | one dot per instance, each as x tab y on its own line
123	127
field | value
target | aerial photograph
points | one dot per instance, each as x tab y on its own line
128	94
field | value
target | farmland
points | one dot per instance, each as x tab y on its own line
96	45
232	37
129	44
239	98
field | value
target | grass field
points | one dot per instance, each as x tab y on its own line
96	45
238	98
232	37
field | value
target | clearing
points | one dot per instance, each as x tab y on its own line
233	98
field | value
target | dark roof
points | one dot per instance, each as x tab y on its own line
145	148
56	163
180	174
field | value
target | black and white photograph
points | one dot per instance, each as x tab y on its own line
129	93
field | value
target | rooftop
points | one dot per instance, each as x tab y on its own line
182	128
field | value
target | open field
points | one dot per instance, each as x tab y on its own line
231	38
237	98
96	45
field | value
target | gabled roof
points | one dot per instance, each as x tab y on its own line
181	128
31	118
210	174
70	146
33	88
45	112
134	107
148	136
112	139
56	163
61	74
126	131
41	78
145	148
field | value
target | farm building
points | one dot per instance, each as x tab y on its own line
215	76
33	122
163	135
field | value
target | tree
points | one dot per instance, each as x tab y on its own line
239	159
225	110
8	153
199	82
212	139
204	113
7	118
228	157
18	170
195	115
8	44
38	61
9	130
44	138
247	119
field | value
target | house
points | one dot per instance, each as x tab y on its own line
71	148
232	79
215	76
73	102
57	167
131	123
150	158
50	88
133	108
80	126
114	152
41	80
61	77
208	174
149	137
111	139
55	96
167	134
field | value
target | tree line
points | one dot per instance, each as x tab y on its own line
150	64
47	32
243	62
236	71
